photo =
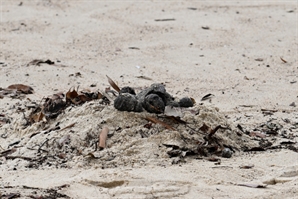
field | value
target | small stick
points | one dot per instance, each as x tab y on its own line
102	138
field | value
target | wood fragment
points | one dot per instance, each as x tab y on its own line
156	121
103	137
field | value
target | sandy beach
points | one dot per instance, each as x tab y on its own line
236	59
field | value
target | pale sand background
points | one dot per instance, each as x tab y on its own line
93	38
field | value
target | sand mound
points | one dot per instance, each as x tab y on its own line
71	139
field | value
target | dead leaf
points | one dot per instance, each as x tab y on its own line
156	121
113	84
37	117
71	95
22	88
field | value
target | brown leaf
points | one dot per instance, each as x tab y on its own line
84	98
71	95
113	84
37	117
99	95
156	121
22	88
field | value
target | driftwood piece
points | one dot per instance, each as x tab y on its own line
103	137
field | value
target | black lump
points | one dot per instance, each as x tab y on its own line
153	99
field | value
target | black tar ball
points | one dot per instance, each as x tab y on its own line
127	89
186	102
154	104
127	102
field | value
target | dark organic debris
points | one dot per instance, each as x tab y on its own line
246	166
259	59
37	62
206	97
170	19
127	102
205	27
153	99
54	105
134	48
191	8
284	61
253	185
22	88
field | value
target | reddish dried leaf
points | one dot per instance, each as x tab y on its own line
156	121
37	117
71	95
113	84
84	98
22	88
